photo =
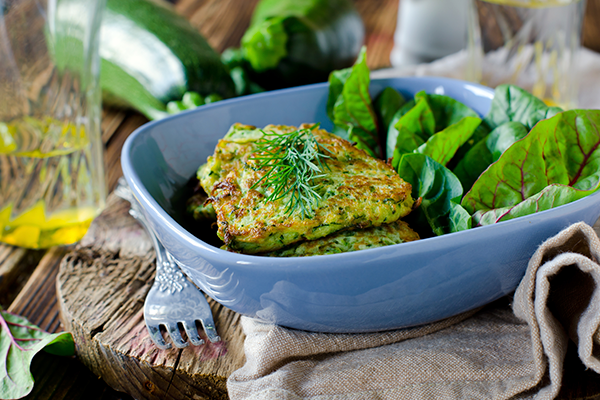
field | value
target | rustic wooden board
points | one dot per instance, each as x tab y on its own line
101	287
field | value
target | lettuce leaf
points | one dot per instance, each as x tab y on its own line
446	110
511	103
349	105
392	131
412	130
386	104
551	196
20	341
487	151
443	145
440	192
436	125
560	151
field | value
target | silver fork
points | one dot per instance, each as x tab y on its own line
172	300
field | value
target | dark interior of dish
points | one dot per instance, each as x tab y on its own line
205	231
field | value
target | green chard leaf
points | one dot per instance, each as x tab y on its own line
446	110
386	104
415	132
487	151
437	126
440	193
443	145
20	341
337	80
551	196
412	130
392	131
511	103
560	151
349	105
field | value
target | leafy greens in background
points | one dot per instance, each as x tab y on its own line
524	157
296	42
350	108
391	130
20	341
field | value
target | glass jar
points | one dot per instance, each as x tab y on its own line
529	43
51	154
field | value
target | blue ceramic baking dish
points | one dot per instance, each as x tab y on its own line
371	290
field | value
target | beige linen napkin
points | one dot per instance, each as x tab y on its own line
493	353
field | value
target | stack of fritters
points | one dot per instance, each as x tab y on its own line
362	199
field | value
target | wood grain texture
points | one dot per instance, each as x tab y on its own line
10	268
40	308
379	18
591	25
111	120
112	155
101	289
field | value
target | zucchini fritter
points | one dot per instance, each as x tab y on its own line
199	209
357	191
345	241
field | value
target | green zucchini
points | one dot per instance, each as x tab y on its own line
150	55
296	42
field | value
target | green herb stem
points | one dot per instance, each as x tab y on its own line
294	162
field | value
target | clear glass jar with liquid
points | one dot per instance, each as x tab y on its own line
51	154
529	43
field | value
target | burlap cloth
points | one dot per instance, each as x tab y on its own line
499	352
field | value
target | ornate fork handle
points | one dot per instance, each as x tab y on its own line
172	299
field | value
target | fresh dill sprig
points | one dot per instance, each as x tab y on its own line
293	160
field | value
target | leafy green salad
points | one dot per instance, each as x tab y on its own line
523	157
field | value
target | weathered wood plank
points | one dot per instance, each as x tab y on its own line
101	289
11	262
64	378
37	299
210	16
111	120
112	155
57	378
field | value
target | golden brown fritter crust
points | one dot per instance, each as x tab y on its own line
353	240
358	191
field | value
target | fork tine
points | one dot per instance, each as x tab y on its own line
210	330
192	333
169	291
173	331
157	338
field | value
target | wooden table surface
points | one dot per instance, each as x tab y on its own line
27	277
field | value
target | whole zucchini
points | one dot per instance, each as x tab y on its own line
150	55
296	42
